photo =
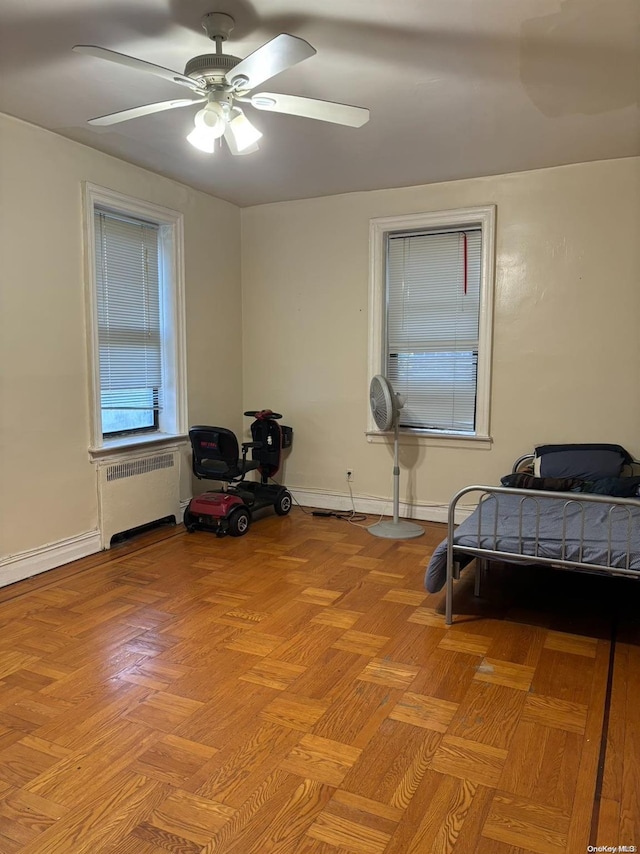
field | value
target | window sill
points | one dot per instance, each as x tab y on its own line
147	442
434	440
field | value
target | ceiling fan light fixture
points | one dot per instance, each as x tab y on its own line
244	132
211	119
202	139
209	125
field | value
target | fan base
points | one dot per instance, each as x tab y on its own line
400	530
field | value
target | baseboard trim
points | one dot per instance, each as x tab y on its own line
376	506
34	561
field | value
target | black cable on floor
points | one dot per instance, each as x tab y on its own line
347	516
602	756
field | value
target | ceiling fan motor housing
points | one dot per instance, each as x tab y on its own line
210	67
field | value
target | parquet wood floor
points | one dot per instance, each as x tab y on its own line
296	691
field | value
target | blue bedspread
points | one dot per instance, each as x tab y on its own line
515	515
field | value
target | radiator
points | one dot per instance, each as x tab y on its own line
137	490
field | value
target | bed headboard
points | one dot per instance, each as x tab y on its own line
523	464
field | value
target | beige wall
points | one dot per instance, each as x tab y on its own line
566	350
566	355
47	483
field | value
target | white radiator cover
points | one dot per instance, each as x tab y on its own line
137	489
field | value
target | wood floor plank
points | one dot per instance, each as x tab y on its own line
393	763
299	713
445	674
489	714
318	596
441	827
391	673
188	816
580	824
612	779
114	813
608	823
27	759
273	673
23	815
342	833
518	643
297	690
629	812
405	597
564	675
460	641
163	711
271	793
552	712
505	673
172	759
363	643
255	643
469	760
68	781
529	825
574	644
368	806
355	711
320	759
428	617
284	821
241	765
542	764
339	618
428	712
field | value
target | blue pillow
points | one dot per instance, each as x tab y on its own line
586	461
619	487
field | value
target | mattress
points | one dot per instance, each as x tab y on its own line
554	528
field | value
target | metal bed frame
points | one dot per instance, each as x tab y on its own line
571	499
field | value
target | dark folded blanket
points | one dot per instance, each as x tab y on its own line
551	484
620	487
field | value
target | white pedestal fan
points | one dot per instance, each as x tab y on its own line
385	408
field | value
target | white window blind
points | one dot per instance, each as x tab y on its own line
433	306
129	320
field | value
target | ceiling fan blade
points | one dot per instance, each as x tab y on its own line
145	110
273	57
311	108
231	136
138	65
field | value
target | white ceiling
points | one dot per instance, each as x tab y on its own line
456	88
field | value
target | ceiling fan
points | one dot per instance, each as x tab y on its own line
221	82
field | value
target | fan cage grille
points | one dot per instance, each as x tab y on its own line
381	398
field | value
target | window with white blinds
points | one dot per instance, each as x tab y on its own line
129	323
431	318
433	284
135	321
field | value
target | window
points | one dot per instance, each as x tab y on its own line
431	309
136	318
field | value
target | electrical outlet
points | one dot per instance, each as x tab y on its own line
349	474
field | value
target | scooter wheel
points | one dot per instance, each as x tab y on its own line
239	522
283	503
189	521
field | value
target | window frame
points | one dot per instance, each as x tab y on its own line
483	217
172	420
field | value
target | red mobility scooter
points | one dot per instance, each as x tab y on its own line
216	456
